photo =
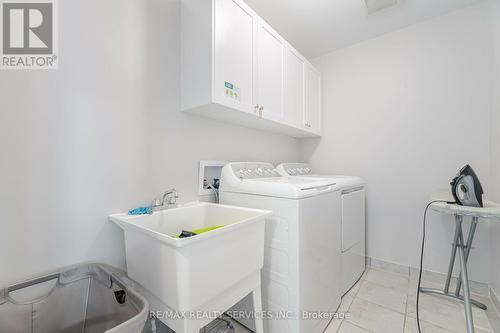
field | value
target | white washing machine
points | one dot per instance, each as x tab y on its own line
301	278
353	219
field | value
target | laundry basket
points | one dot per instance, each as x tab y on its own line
91	298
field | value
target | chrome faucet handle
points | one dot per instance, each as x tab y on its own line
172	197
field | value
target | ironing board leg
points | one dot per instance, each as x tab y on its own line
465	279
468	247
458	228
457	246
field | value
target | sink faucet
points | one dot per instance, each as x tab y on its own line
171	195
168	200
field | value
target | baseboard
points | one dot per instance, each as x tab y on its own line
478	288
387	266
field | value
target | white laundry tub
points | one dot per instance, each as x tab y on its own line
187	273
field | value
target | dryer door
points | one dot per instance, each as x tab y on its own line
353	218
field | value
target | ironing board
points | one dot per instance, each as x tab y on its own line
490	211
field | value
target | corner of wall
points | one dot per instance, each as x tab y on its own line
495	146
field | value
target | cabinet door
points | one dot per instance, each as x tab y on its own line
270	59
234	54
294	89
313	100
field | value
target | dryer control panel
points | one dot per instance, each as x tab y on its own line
294	169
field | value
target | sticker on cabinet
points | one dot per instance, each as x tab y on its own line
232	91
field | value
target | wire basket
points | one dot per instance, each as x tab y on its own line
90	298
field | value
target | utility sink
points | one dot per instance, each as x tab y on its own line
187	273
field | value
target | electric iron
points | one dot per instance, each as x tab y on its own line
466	188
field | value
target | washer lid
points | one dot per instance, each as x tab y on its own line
281	187
342	181
305	171
260	178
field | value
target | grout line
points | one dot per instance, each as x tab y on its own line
406	304
383	307
378	284
348	308
439	325
360	281
350	322
341	323
494	301
365	329
435	325
391	288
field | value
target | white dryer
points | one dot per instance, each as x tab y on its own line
353	219
301	275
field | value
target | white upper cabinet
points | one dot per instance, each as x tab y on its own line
313	100
294	88
236	68
234	54
270	64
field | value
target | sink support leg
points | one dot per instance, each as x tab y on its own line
257	307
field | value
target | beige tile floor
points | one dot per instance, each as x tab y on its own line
385	302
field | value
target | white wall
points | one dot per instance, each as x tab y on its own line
101	135
406	111
495	149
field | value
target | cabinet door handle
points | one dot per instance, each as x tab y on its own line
308	125
260	111
256	109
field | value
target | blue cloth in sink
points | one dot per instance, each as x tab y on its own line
141	211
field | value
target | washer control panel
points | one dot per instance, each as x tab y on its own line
254	170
